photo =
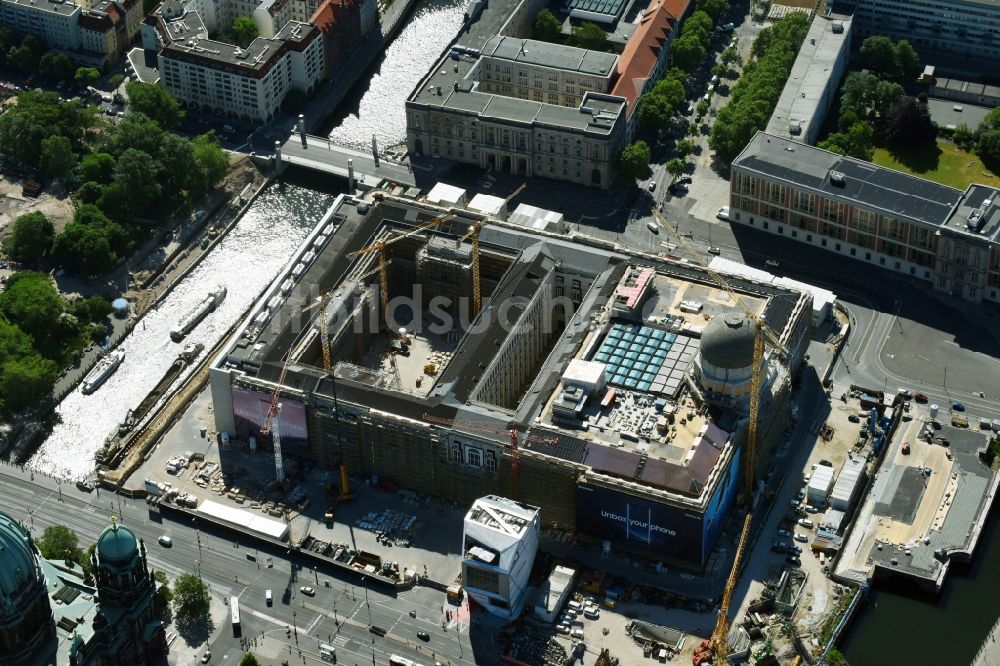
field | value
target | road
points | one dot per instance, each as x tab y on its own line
339	614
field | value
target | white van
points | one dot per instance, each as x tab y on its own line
575	605
267	597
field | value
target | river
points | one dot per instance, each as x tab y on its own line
379	107
245	261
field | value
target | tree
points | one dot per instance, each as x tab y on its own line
546	27
908	123
963	137
57	159
191	600
988	146
672	91
835	658
97	167
83	249
675	167
879	54
249	659
90	192
140	177
699	24
39	115
211	160
730	56
87	564
687	52
153	100
135	130
92	216
33	304
702	107
86	76
23	60
685	147
56	67
59	542
117	80
31	237
176	156
858	141
633	161
245	30
164	595
25	376
591	36
907	61
869	97
654	112
714	8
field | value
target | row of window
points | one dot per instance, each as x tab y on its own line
473	457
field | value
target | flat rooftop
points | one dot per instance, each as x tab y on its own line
978	213
452	84
924	506
555	56
879	189
805	89
501	515
52	6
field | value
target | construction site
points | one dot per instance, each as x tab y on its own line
460	355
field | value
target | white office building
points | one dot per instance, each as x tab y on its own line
499	546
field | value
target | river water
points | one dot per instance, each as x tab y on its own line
379	107
245	261
927	630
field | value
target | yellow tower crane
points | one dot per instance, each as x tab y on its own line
323	301
720	636
383	264
756	376
473	233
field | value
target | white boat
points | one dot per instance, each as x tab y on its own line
104	369
187	323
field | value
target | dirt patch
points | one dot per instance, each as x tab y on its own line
54	203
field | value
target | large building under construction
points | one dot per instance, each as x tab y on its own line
609	390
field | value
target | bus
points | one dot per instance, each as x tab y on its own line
234	608
396	660
327	652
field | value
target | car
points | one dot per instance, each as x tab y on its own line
853	418
920	397
801	495
801	537
779	547
166	541
563	628
423	635
652	226
783	532
792	548
904	393
826	463
715	250
806	523
958	407
652	186
85	486
679	187
723	213
957	107
714	80
795	503
794	560
308	591
772	263
207	657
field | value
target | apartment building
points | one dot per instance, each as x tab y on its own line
53	21
457	114
957	27
935	233
247	84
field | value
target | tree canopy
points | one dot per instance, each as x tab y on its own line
87	76
589	35
249	659
908	123
57	159
40	115
32	303
245	30
892	60
153	100
633	161
191	600
59	542
869	97
755	95
858	141
546	27
714	8
31	238
26	377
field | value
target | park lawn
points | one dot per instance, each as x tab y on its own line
943	163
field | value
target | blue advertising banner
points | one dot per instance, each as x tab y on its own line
625	520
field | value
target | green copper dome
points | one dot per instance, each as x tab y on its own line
117	543
728	340
17	562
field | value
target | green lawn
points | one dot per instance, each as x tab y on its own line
943	163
